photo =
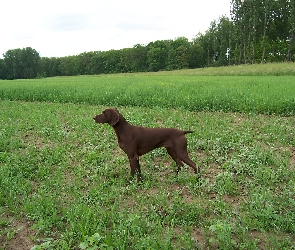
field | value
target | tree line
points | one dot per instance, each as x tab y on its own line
258	31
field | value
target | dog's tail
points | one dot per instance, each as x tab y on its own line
187	131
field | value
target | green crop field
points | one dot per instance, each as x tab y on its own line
258	94
65	182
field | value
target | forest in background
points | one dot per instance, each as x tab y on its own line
258	31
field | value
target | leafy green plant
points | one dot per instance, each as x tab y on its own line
224	184
94	242
223	233
47	244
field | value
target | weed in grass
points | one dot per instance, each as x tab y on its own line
224	184
246	239
280	243
220	208
47	244
221	234
93	242
266	211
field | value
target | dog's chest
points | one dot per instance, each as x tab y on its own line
126	138
120	141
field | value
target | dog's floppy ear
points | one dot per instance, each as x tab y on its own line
114	117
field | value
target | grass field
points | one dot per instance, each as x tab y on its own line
246	94
64	181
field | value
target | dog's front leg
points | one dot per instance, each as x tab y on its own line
139	178
133	166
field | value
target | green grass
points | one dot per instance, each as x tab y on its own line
66	178
66	174
258	94
270	69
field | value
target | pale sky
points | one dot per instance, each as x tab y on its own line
58	28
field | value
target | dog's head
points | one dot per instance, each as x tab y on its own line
110	116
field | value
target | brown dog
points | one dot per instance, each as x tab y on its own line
136	141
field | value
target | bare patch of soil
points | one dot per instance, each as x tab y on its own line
16	235
197	235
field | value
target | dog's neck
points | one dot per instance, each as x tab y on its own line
121	124
119	128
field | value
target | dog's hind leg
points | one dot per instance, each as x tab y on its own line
173	155
180	149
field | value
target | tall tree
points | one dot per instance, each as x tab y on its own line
157	55
178	54
224	40
291	38
266	20
21	63
69	66
12	64
30	59
1	68
208	43
217	41
197	55
139	58
50	67
264	29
